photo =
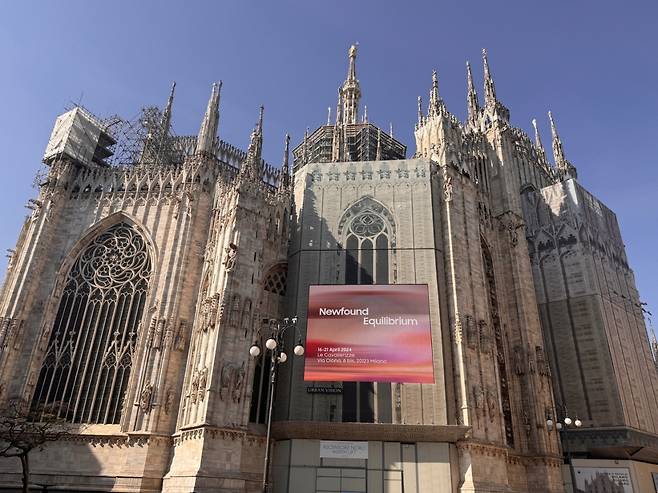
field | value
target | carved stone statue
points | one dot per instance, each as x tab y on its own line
229	258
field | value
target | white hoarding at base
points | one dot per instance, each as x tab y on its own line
331	449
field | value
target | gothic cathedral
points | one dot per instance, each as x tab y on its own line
151	262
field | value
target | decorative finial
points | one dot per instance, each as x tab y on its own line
435	101
166	114
538	143
350	92
208	130
329	115
390	127
472	98
365	113
285	169
420	109
489	87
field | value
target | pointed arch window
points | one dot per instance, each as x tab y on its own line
85	372
368	229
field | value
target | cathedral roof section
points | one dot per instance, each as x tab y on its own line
348	139
146	141
352	142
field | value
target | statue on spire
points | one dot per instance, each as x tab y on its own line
489	87
350	92
494	109
538	143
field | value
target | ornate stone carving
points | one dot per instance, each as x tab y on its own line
230	253
491	405
519	363
231	382
179	338
203	382
471	331
447	187
457	331
485	336
169	400
542	365
145	398
194	386
478	398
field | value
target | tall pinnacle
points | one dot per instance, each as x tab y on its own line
166	114
567	170
420	110
350	91
472	98
558	151
285	168
489	88
540	146
251	166
435	101
208	130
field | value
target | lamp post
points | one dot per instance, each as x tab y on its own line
569	424
274	342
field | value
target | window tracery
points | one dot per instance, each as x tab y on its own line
85	372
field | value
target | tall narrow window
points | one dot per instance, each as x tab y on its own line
85	371
368	230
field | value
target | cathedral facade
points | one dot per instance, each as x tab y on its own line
136	289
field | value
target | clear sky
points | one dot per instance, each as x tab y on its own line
593	63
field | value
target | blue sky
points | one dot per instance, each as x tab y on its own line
592	63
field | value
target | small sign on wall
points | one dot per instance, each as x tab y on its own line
332	449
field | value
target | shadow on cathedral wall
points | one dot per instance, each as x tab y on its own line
316	256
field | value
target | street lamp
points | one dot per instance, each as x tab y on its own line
568	423
275	344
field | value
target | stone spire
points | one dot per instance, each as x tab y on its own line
420	110
472	98
489	87
436	103
538	143
329	115
350	92
493	109
251	167
208	130
284	181
558	151
565	167
165	123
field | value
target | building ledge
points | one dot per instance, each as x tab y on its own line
285	430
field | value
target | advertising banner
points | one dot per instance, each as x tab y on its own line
369	333
603	480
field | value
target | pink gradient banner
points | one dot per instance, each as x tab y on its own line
369	333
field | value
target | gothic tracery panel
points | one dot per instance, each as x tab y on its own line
87	364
